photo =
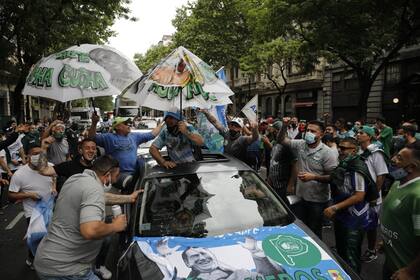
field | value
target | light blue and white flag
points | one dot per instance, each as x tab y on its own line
250	109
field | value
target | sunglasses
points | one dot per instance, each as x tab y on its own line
346	148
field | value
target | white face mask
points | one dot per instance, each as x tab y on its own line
35	160
107	187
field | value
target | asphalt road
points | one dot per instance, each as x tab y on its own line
13	249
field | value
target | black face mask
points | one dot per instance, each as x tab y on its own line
294	125
234	134
173	130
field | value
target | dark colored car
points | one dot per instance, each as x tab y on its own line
217	219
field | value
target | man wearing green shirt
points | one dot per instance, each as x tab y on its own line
385	135
400	222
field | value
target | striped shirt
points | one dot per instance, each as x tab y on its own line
355	216
179	146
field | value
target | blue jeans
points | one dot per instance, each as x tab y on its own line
89	275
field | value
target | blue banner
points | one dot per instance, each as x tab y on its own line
285	253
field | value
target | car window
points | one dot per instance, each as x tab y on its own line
207	204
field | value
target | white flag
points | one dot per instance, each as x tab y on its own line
250	109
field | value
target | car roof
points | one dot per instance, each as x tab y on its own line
211	162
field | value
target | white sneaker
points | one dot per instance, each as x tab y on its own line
103	272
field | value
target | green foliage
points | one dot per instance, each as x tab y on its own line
105	103
364	34
152	57
31	29
215	30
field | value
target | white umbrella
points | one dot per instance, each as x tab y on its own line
180	80
81	72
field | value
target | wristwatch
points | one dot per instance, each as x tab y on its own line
335	208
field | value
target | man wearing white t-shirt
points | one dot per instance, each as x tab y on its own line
374	158
29	186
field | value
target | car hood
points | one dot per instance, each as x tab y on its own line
271	252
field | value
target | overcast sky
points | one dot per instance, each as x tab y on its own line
154	21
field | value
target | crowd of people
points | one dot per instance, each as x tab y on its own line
359	177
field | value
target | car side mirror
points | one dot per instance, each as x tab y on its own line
293	199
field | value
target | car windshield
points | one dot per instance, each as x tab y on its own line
207	204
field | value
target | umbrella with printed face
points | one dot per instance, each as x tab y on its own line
180	80
84	71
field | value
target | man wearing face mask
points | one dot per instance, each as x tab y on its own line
179	139
31	138
29	186
314	157
409	134
77	228
400	220
374	158
58	150
352	188
235	144
292	130
87	154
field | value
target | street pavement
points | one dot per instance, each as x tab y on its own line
13	250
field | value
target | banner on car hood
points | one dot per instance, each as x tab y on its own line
285	253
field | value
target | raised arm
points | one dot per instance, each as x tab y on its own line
47	131
193	137
254	136
213	120
158	128
92	128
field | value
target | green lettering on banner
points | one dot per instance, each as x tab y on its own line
300	273
284	276
63	77
74	78
40	76
81	56
81	78
48	77
192	89
270	277
99	81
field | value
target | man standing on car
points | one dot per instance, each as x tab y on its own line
179	138
400	220
314	157
122	145
235	143
75	234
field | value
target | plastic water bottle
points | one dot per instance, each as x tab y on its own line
116	210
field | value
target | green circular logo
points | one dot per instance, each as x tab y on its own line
291	250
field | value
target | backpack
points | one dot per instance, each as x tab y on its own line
356	164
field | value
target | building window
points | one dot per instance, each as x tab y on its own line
393	74
268	107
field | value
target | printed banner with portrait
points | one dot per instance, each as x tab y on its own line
261	253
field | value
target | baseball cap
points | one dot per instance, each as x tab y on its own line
368	130
238	121
277	125
119	120
175	115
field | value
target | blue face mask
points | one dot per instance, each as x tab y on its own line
398	173
310	138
